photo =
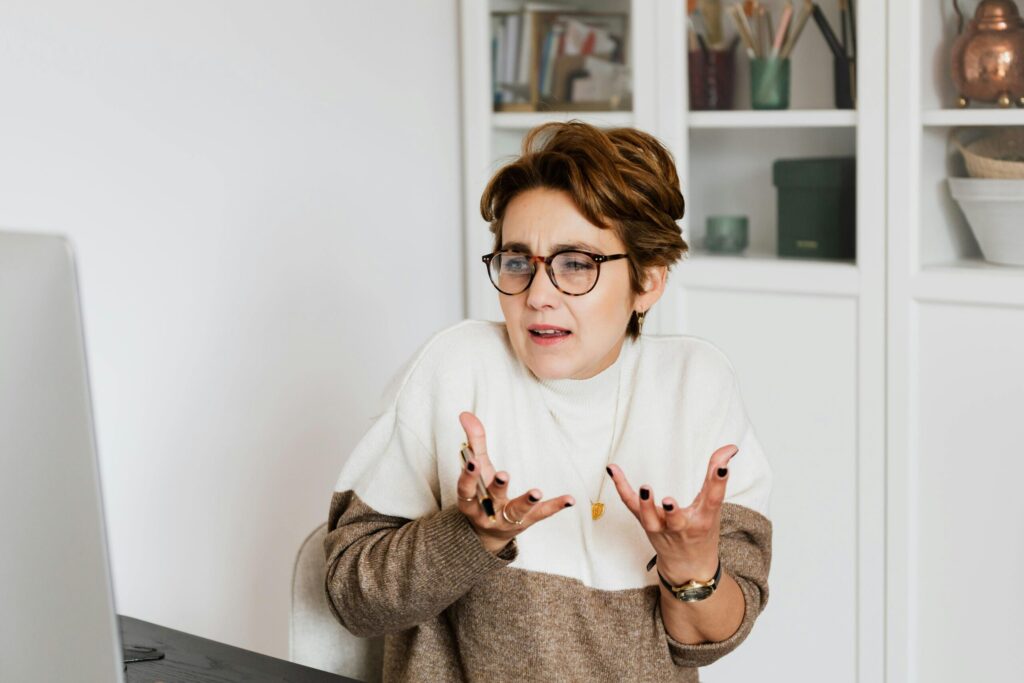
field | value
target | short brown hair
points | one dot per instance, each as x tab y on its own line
620	178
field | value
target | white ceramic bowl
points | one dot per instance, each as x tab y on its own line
995	212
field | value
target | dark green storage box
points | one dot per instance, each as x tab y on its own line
817	207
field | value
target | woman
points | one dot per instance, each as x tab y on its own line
576	402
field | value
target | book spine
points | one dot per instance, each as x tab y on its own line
550	57
525	51
497	57
511	52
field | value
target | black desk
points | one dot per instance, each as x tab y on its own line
191	659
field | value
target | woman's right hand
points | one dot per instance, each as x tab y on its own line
524	511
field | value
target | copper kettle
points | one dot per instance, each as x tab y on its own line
988	58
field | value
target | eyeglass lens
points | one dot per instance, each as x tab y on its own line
574	272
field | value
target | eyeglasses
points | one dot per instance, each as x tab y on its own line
571	272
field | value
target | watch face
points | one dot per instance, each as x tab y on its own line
695	594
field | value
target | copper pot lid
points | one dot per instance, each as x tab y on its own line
997	15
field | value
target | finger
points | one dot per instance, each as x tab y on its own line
469	502
521	508
547	508
650	519
675	517
466	485
499	487
626	492
477	438
712	494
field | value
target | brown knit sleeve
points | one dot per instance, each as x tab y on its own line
386	574
745	545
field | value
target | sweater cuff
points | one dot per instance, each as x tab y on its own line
456	550
704	654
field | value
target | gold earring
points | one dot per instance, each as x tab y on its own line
640	315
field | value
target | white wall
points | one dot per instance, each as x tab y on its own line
241	180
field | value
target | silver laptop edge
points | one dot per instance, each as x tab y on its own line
57	619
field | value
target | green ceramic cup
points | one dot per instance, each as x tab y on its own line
726	234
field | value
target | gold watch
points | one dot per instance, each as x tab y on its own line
693	590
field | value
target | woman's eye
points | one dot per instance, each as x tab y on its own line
578	264
518	265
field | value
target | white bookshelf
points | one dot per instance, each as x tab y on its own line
883	389
522	121
808	118
768	273
946	118
969	281
955	330
807	336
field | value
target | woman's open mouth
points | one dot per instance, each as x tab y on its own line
547	335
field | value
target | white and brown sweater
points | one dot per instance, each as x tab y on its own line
570	599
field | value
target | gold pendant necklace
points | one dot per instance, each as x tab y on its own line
596	506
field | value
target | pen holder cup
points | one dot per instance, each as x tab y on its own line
711	79
769	83
845	77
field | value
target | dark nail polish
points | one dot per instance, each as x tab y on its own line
470	466
532	499
668	507
722	471
568	505
609	471
644	493
501	482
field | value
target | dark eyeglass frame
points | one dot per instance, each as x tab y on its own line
546	260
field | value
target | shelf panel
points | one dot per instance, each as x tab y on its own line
767	273
790	118
970	281
973	117
526	120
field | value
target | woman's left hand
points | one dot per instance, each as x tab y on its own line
685	539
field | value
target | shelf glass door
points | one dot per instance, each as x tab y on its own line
560	57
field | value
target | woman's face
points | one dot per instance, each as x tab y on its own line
541	222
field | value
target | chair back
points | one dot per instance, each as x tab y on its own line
316	638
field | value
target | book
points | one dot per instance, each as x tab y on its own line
541	56
530	44
551	54
510	76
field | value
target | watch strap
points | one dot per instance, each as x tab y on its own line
713	583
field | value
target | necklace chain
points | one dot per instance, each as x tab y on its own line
596	506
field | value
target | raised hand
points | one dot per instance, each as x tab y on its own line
685	538
512	516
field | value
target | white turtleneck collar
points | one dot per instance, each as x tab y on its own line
593	390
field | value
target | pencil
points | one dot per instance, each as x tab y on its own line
743	29
764	35
750	21
805	14
780	34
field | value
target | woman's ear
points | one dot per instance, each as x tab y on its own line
655	279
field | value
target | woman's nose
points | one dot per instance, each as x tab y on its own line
542	293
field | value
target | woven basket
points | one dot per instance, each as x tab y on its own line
1000	155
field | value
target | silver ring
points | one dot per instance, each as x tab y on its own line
467	500
510	521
